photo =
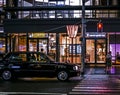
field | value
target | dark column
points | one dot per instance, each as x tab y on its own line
57	47
118	2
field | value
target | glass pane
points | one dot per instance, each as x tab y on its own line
115	48
101	49
33	45
2	45
90	51
22	42
43	46
52	43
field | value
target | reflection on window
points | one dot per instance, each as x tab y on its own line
16	57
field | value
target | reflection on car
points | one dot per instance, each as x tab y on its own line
35	64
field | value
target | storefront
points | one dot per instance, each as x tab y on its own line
61	48
57	45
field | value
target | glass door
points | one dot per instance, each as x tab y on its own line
38	44
101	50
95	50
90	51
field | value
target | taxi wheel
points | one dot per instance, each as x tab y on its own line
7	75
63	76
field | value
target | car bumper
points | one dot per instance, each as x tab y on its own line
74	73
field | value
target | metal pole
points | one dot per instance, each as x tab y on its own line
83	38
72	49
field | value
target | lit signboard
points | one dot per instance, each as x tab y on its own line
96	34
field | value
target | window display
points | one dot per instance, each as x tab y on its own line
70	52
76	49
2	45
115	48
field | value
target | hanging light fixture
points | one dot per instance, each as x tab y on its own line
72	30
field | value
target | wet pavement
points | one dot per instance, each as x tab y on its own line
98	82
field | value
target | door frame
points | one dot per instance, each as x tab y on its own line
95	53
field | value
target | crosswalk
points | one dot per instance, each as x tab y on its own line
97	84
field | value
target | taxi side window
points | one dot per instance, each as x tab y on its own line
32	57
15	57
42	58
23	57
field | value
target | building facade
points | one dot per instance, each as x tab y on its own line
32	25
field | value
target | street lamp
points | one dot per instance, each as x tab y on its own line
83	32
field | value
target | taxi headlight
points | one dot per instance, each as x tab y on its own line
75	68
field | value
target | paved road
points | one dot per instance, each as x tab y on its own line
36	86
95	82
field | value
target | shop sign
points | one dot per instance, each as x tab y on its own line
96	34
38	35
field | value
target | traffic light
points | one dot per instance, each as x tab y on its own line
99	27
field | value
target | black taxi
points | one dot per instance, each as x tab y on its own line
35	64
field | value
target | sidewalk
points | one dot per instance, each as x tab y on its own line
101	70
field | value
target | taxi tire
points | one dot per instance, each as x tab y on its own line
7	75
63	75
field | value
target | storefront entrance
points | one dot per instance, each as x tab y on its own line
37	44
96	49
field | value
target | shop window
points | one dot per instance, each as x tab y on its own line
114	46
22	43
52	45
70	51
2	45
90	51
